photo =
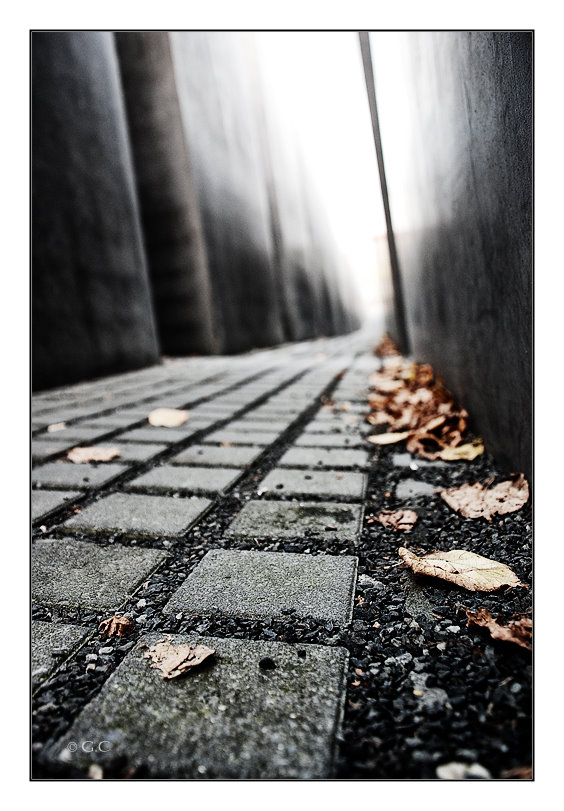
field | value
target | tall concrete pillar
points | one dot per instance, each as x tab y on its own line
172	226
92	309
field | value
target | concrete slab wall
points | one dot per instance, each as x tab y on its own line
92	309
460	197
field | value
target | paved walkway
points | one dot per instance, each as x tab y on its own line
188	533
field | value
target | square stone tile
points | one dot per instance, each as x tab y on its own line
276	520
238	456
412	489
137	451
307	440
228	719
151	433
185	479
44	502
74	435
67	474
72	573
324	457
40	449
327	483
258	426
50	637
242	437
260	584
139	515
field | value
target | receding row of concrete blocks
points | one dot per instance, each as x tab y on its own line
172	211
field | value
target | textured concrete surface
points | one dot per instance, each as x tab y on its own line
185	479
328	484
329	441
412	488
285	519
72	573
228	719
242	437
459	173
324	457
139	515
242	583
236	456
51	644
44	502
81	476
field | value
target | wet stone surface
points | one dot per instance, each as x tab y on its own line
230	718
261	584
267	519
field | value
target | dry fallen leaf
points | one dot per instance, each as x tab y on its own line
168	417
518	630
478	501
466	569
469	451
388	439
518	773
97	453
174	660
397	519
56	426
116	625
386	347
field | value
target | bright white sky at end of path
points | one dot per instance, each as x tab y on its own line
319	77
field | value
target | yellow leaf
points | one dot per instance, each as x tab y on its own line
388	439
168	417
466	569
469	451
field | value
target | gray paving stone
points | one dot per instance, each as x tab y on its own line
72	573
287	519
324	457
47	637
137	451
258	426
40	449
228	719
67	474
44	502
331	427
74	434
306	440
242	437
237	456
293	482
139	515
190	479
259	584
411	488
152	433
110	421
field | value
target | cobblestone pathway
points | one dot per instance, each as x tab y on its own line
239	529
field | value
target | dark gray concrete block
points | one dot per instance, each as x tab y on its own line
208	455
185	479
44	502
411	489
47	637
228	719
88	256
242	437
324	457
139	515
329	484
72	573
137	452
287	519
153	433
259	584
81	476
40	449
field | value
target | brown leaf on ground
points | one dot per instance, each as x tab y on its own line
468	451
466	569
386	347
518	773
397	519
518	630
168	417
387	439
116	625
479	501
96	453
174	660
